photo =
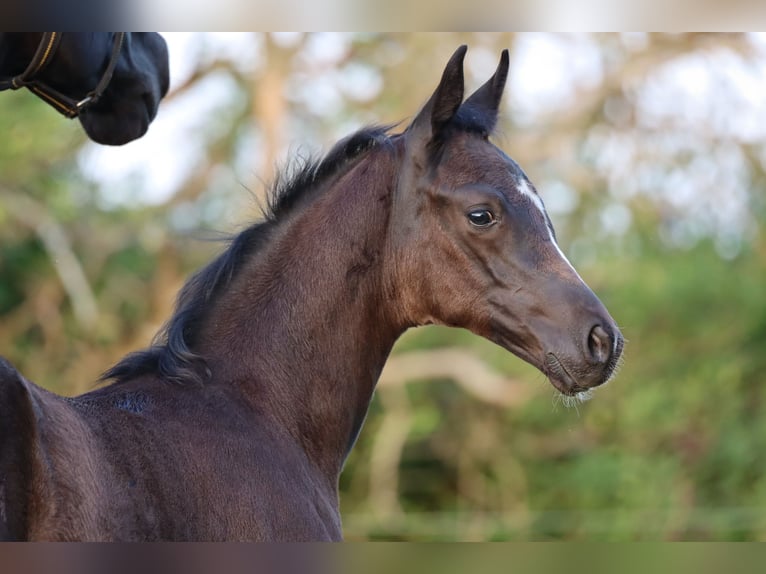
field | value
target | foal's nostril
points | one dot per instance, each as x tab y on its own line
599	344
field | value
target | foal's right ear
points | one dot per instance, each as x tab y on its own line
444	102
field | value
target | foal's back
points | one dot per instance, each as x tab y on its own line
127	463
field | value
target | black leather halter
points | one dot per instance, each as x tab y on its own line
69	107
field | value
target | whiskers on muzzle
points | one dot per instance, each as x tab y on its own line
576	385
573	401
581	396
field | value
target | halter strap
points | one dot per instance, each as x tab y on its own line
64	104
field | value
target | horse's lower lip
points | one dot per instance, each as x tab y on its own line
563	387
560	377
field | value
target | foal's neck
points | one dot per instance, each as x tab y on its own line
305	327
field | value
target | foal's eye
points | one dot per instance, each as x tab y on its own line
481	217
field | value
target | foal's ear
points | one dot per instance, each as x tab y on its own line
445	101
485	101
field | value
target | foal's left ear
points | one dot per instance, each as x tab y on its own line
486	100
445	101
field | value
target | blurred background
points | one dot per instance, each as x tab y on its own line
649	151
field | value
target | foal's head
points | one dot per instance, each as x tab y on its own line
473	246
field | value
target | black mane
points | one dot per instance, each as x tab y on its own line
170	355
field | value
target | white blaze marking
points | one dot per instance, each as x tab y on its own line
564	257
531	195
527	192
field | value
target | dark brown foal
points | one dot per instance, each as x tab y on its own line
236	423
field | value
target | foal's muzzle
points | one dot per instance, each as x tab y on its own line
591	365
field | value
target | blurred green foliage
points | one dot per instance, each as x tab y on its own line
672	449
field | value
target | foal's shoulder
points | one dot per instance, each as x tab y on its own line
14	392
8	372
17	436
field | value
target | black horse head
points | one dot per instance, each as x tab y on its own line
113	82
